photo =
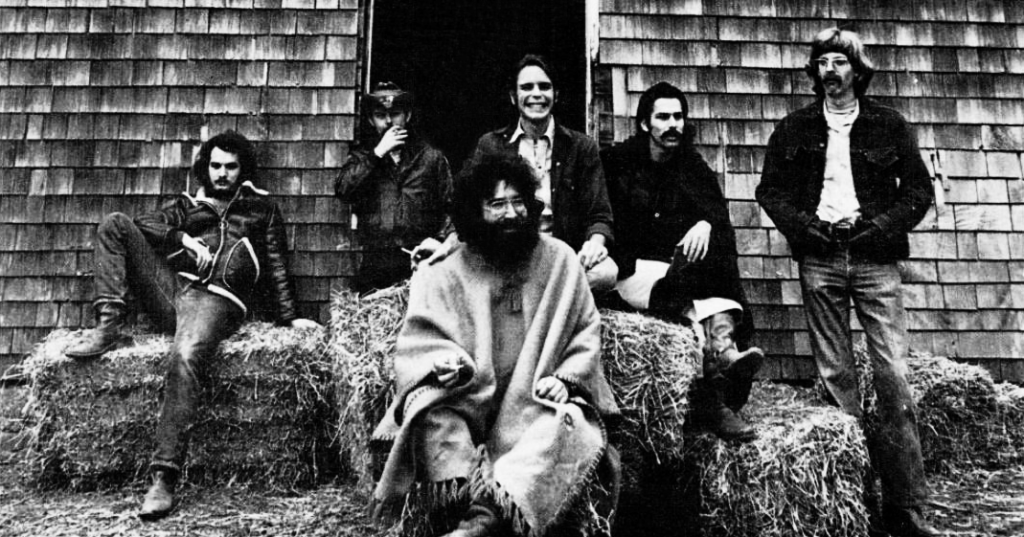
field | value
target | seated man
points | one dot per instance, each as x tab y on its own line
676	250
567	166
227	242
397	185
500	389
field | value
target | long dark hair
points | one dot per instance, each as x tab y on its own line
232	142
663	90
476	184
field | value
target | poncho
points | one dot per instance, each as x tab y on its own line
512	326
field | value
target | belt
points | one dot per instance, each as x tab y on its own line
841	233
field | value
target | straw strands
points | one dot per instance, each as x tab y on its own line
266	415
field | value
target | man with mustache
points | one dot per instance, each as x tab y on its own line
843	180
500	393
567	165
676	251
225	243
397	185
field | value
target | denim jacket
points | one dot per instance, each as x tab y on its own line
892	183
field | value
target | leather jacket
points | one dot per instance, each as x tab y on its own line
397	204
892	183
247	240
578	191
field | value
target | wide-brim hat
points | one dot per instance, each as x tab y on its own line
388	96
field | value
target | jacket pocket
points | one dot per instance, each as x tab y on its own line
242	267
882	157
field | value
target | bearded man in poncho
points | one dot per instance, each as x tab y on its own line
501	397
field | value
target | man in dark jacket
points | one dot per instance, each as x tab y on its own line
676	250
843	180
567	165
397	185
225	243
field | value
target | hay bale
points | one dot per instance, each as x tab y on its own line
266	417
363	331
802	476
963	421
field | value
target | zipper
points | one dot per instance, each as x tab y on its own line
223	235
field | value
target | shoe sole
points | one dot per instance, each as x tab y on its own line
81	356
745	368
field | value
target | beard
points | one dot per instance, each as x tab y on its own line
507	242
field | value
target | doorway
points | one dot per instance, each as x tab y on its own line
455	56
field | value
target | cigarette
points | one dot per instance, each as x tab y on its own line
407	251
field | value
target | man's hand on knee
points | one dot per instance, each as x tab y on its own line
553	390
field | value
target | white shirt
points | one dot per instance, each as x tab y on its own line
838	195
538	154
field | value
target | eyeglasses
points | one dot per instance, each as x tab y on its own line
500	205
838	63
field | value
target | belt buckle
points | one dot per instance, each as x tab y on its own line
842	232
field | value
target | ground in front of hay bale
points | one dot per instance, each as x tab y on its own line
977	504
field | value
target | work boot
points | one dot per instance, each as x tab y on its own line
159	500
906	522
718	418
722	357
106	336
480	521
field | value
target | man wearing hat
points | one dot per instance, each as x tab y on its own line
397	185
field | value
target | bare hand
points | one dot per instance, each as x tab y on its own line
553	390
305	324
447	369
392	139
592	252
201	251
437	255
695	242
425	250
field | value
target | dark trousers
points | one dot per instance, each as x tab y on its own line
126	265
830	283
204	320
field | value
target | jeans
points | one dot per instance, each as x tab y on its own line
126	264
204	320
830	281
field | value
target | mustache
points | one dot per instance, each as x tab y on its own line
672	133
831	78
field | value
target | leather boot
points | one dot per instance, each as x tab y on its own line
480	521
106	336
722	357
718	418
159	500
906	522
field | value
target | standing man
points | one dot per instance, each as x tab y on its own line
225	242
568	168
676	250
844	182
501	396
397	185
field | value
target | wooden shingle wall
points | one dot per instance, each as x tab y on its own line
954	69
103	103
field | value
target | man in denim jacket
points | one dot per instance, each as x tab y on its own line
843	180
225	243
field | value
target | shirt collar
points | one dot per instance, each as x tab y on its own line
549	133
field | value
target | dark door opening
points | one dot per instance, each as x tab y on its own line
455	56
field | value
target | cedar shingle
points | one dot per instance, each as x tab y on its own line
993	246
945	59
983	217
228	22
345	48
52	46
336	101
255	22
33	237
967	245
18	46
335	155
155	20
967	60
985	11
110	73
991	61
960	297
186	100
1017	218
1002	164
192	21
301	74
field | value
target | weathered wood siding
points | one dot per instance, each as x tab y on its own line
102	105
954	69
